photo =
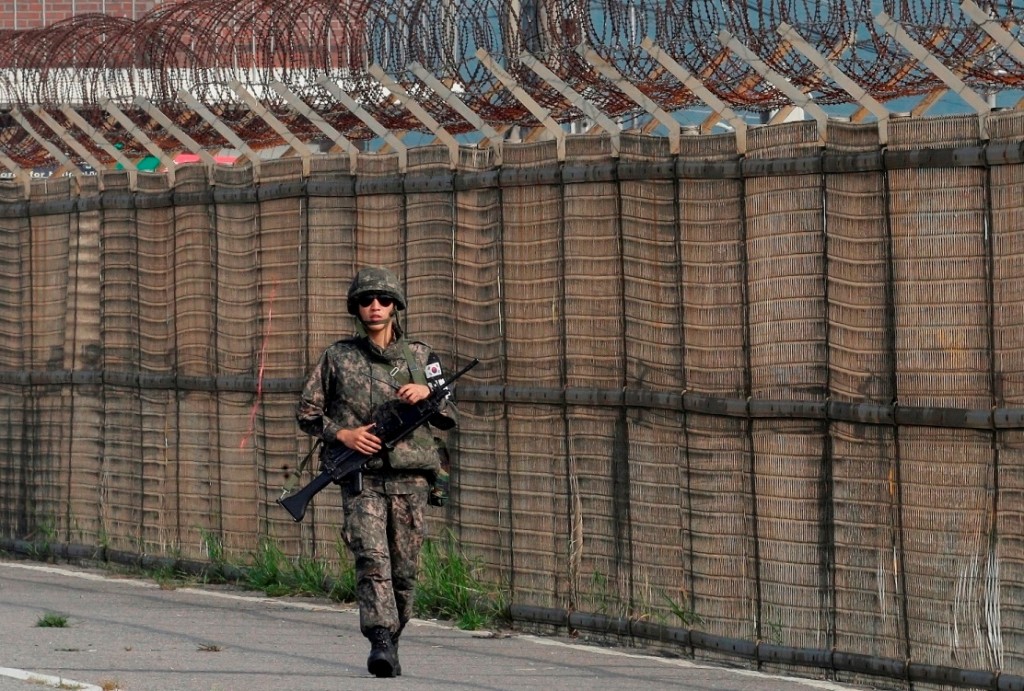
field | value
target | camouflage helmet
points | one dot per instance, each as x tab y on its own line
375	280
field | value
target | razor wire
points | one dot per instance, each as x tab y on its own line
202	46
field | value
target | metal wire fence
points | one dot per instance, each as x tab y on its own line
776	397
211	48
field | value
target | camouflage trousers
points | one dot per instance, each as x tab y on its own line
384	529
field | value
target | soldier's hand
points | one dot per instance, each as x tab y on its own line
360	439
413	393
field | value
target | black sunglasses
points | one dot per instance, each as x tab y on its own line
383	300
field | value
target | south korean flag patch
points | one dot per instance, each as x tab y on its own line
435	376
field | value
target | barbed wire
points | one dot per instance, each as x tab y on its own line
202	46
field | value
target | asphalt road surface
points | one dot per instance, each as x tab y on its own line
130	634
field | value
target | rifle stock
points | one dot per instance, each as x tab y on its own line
349	461
296	503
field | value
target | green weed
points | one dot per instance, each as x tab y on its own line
773	630
52	621
686	616
213	547
601	594
450	587
276	575
267	570
168	577
42	539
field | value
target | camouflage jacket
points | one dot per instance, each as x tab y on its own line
351	379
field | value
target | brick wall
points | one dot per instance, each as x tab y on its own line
31	14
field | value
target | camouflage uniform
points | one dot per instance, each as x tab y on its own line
384	522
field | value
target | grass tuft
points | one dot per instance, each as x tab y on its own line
52	621
450	587
276	575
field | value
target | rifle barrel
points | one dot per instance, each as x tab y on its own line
465	369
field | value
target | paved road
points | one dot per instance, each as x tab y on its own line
125	633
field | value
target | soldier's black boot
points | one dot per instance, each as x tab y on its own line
398	663
383	660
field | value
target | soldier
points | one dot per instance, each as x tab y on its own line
384	523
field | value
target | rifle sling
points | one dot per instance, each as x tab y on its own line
415	371
293	480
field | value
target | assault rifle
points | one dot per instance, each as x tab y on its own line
393	421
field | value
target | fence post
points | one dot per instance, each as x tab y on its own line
297	145
175	131
222	129
380	130
66	137
1001	36
839	77
114	152
585	106
625	86
798	97
57	154
705	94
321	124
18	172
957	85
457	104
538	111
129	125
417	110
